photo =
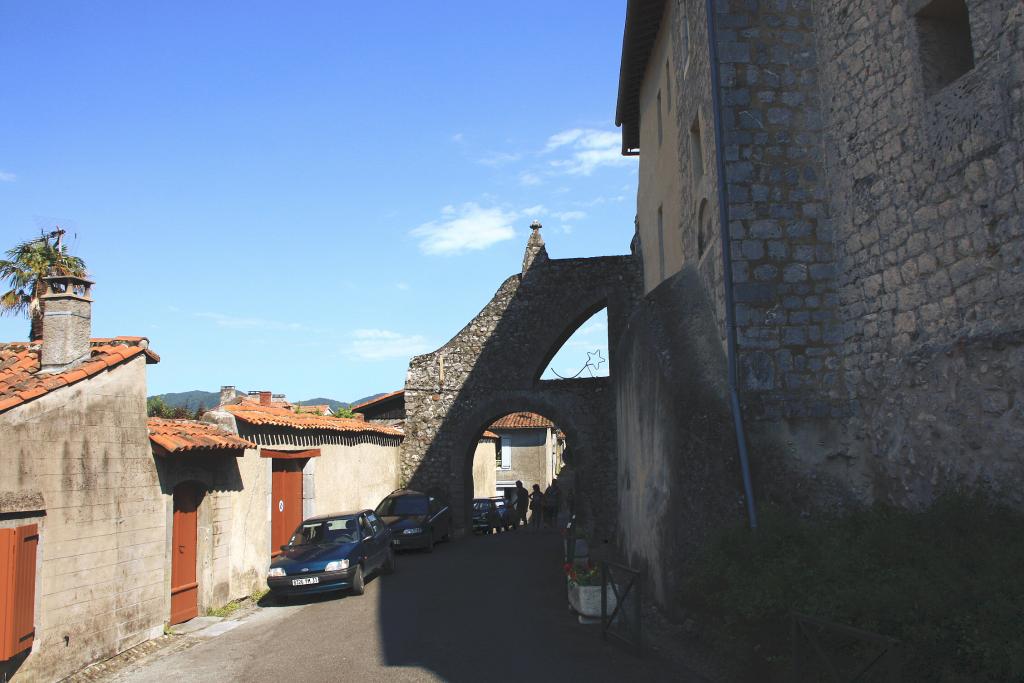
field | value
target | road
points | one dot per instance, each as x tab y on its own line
489	608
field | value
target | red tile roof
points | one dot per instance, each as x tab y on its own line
282	417
522	421
372	401
489	435
175	436
20	380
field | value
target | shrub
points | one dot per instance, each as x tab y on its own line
948	582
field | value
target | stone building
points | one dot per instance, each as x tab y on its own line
528	451
865	311
80	492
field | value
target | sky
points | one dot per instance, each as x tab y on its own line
299	197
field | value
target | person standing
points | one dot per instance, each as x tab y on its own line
536	507
552	503
522	502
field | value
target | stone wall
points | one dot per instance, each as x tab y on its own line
493	365
926	194
101	581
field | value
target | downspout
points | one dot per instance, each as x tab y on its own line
723	220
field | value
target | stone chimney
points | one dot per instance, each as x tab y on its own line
227	394
67	322
265	398
535	250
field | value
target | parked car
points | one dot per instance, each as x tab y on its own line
506	512
332	552
416	520
486	517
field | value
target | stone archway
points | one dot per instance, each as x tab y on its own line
493	365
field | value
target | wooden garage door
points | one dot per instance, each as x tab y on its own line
185	535
286	501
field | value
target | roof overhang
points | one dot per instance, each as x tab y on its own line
643	20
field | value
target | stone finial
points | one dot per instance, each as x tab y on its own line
534	248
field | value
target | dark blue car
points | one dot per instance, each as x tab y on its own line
330	553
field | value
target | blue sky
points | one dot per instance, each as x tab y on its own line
299	197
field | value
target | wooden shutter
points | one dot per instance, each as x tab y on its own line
17	589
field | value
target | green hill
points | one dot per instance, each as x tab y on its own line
192	400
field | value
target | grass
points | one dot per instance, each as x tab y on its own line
948	582
224	610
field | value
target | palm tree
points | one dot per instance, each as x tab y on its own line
24	269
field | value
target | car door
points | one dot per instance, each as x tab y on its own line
439	518
371	550
381	537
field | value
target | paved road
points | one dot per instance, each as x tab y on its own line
489	608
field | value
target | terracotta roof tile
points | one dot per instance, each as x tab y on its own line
176	436
20	380
522	421
283	417
489	435
372	401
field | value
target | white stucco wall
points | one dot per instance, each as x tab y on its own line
484	479
352	477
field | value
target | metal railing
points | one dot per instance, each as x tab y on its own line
626	619
883	665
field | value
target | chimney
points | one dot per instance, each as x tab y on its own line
227	393
67	322
265	398
535	250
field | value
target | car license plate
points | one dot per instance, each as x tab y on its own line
306	581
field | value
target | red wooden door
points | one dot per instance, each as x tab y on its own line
286	501
184	584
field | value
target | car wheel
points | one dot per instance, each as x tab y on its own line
358	585
391	563
430	542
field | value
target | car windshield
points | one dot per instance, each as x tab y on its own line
403	505
481	505
326	531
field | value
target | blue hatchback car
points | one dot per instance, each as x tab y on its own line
330	553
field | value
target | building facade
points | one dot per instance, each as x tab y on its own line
528	451
869	168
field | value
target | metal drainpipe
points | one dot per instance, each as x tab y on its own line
723	219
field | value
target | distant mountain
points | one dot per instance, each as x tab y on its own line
209	399
191	399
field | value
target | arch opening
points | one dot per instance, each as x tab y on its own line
583	351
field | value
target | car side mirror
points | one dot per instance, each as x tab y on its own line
284	547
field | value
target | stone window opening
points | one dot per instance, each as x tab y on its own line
944	43
661	134
696	153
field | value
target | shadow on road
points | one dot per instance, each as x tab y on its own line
494	608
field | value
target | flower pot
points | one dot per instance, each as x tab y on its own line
586	600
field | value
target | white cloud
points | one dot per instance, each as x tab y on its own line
588	149
402	286
529	179
458	137
469	227
532	211
374	344
7	177
500	158
570	215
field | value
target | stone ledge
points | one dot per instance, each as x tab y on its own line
21	501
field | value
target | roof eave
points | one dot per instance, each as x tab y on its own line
643	21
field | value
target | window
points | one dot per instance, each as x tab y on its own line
696	153
944	43
17	589
703	228
661	245
377	525
660	131
506	453
668	87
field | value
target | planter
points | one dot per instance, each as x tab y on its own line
586	600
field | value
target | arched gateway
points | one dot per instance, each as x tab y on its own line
493	366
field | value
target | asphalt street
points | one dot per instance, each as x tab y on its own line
490	608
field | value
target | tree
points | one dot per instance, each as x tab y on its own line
24	269
343	412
